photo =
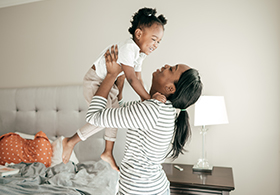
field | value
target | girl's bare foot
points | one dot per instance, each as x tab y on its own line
67	150
108	157
68	144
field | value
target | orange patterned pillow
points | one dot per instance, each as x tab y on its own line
15	149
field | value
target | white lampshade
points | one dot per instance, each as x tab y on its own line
210	110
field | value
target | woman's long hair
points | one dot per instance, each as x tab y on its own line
188	90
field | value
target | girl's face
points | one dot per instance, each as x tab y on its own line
148	38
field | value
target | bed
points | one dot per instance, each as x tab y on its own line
56	111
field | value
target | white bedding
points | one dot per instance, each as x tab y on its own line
85	178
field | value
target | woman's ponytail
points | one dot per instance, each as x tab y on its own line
188	90
181	134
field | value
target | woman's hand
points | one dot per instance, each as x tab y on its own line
120	82
113	68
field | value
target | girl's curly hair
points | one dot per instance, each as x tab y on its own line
145	17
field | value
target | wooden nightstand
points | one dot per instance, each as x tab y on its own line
218	182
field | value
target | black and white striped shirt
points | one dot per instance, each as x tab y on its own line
150	127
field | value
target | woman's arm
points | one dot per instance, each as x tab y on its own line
113	69
136	116
120	82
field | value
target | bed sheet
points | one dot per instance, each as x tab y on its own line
84	178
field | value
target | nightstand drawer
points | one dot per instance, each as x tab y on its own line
194	191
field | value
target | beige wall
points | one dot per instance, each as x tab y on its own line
235	45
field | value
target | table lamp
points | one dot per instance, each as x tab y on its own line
208	110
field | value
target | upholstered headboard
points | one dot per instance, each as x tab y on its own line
57	111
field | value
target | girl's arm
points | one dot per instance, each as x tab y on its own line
139	77
135	82
156	96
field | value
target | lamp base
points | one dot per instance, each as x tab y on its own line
202	166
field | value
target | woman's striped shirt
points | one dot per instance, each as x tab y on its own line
150	127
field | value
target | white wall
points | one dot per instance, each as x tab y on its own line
235	45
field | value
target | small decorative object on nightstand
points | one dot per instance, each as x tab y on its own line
183	180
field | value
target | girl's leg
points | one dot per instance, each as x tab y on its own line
90	85
69	143
111	133
107	155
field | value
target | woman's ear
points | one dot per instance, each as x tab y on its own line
170	88
138	33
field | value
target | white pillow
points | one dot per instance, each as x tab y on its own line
57	152
25	136
28	136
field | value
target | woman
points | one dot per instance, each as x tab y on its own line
152	125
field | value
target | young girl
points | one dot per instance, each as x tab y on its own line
147	31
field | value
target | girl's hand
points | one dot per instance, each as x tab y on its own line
158	96
113	68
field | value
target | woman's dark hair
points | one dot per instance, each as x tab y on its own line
145	17
188	90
